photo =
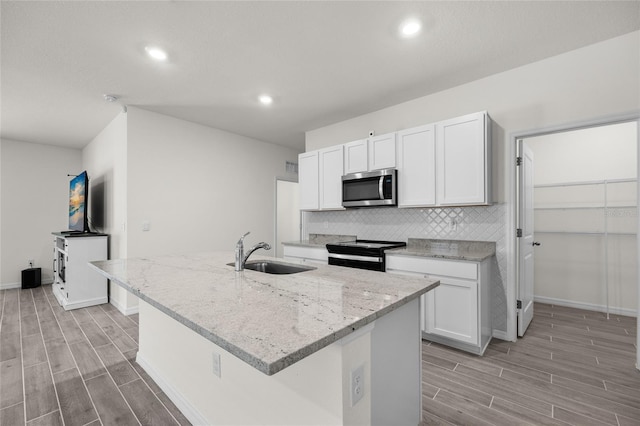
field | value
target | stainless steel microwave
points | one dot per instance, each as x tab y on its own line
370	189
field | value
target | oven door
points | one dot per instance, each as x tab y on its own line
372	263
377	188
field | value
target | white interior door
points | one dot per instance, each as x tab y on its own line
526	242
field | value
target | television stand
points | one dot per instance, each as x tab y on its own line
75	285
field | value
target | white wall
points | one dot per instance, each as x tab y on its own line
105	159
34	188
287	214
596	81
199	188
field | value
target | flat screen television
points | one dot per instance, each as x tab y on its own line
78	203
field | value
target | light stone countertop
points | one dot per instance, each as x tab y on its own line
475	251
320	240
268	321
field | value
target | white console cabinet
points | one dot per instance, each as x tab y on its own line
75	285
457	312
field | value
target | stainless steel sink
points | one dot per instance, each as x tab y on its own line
272	267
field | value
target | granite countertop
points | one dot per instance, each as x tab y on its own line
268	321
475	251
320	240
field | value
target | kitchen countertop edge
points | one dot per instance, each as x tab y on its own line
289	359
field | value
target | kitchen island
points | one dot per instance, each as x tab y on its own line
331	345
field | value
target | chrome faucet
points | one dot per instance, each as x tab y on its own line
241	258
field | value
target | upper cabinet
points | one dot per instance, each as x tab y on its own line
441	164
382	151
463	161
320	179
308	180
375	153
446	163
356	156
417	167
331	171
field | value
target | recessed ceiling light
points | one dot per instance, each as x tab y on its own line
410	28
156	53
265	99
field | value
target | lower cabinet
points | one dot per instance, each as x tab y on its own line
457	312
75	284
318	255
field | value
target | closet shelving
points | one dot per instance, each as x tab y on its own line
590	208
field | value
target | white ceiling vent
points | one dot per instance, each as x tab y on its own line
291	167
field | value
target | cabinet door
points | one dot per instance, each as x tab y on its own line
355	156
452	310
417	167
331	171
461	154
382	151
308	180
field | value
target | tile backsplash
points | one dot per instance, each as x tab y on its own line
455	223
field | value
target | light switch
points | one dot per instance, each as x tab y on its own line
146	225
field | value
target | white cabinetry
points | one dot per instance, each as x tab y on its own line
457	312
446	163
382	151
317	255
463	161
442	164
331	171
375	153
356	156
417	166
308	180
75	284
320	179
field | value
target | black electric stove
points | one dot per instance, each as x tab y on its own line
362	254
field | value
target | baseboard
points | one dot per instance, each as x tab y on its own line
8	286
185	407
123	309
588	306
499	334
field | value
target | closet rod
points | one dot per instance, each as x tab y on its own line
586	182
625	234
586	207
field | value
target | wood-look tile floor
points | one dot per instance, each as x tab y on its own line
78	368
74	367
571	367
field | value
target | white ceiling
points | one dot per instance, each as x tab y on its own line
323	62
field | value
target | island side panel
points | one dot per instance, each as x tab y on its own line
396	358
308	392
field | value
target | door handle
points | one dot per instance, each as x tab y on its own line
535	243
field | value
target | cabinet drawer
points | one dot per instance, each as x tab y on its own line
319	254
449	268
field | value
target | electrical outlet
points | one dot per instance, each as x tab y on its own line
357	385
146	225
216	364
